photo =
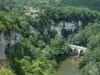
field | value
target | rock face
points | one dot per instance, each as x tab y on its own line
64	25
2	47
11	39
31	12
31	30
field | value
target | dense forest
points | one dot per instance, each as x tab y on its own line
92	4
12	4
40	48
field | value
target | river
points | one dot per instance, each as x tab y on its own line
69	66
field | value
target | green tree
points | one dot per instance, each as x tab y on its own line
6	72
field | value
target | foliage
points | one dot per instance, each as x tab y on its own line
88	63
81	3
38	53
71	14
6	72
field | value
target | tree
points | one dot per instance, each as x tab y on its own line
94	42
2	27
6	72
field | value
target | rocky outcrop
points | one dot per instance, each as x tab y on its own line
68	26
31	12
31	30
11	39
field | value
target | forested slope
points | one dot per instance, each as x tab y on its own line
92	4
18	4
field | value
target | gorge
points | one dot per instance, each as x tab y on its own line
46	38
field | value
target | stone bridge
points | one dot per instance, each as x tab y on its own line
79	50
